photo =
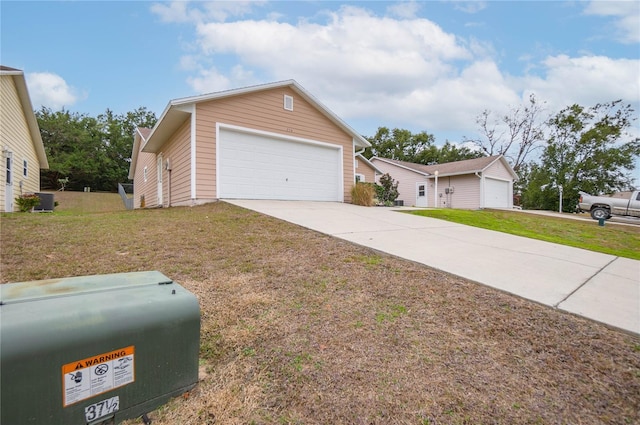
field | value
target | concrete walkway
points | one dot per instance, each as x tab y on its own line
600	287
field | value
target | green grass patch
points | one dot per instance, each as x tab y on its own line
619	240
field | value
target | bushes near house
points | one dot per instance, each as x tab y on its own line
27	201
387	190
362	194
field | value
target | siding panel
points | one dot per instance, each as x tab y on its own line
15	137
406	182
264	111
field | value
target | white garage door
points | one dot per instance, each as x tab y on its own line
255	166
496	193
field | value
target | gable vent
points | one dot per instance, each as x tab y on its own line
288	103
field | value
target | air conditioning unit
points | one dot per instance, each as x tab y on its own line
95	349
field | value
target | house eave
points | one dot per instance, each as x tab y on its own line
178	110
32	122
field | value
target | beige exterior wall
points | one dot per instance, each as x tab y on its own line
264	111
366	170
406	181
16	138
145	187
466	192
499	171
178	151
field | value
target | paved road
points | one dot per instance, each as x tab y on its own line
597	286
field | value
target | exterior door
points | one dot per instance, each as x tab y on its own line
8	191
159	167
421	194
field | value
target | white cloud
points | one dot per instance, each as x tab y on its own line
50	90
218	11
586	80
469	6
212	80
625	13
406	72
176	11
404	10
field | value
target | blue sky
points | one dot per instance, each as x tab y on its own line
432	65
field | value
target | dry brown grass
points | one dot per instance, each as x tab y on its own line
298	327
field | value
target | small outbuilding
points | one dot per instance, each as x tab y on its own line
471	184
271	141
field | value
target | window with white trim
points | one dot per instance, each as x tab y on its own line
25	169
359	178
144	174
288	102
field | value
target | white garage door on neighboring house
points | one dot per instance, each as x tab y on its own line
496	193
259	166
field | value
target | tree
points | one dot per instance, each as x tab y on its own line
586	151
89	151
398	144
72	146
387	190
402	145
515	135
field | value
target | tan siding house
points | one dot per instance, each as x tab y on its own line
471	184
273	141
23	153
365	171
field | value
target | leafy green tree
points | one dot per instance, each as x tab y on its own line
73	148
588	150
402	145
89	151
398	144
387	189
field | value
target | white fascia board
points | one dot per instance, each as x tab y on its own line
401	166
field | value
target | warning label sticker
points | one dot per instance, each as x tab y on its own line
95	375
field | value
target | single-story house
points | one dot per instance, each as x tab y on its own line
23	153
271	141
470	184
365	170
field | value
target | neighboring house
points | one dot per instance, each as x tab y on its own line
365	170
471	184
272	141
21	145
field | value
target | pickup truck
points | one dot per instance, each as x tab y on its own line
605	206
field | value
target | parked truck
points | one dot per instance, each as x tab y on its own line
603	207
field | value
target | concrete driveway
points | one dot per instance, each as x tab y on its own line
600	287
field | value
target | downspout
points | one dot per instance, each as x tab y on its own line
479	175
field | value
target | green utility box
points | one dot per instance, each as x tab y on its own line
95	349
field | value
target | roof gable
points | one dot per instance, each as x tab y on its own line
27	109
139	137
178	110
468	166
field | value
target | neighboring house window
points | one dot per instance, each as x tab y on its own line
144	174
359	178
288	103
25	170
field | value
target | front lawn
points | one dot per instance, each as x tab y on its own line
614	239
302	328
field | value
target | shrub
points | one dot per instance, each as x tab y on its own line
27	201
388	191
362	194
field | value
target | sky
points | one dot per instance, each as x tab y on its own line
431	66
